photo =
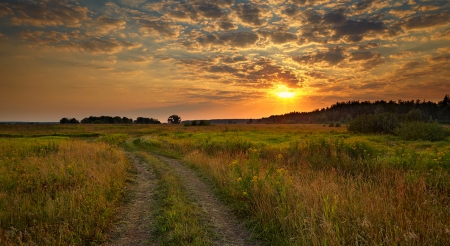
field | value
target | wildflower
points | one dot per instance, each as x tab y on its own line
281	170
234	163
239	179
244	193
255	178
280	156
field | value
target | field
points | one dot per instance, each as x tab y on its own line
291	184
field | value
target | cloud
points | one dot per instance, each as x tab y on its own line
234	59
251	14
401	54
48	13
239	39
279	37
306	2
266	73
211	11
141	60
367	46
315	34
5	10
105	24
47	37
426	21
259	73
316	74
312	16
443	35
229	39
363	55
402	13
157	7
100	46
159	28
182	12
362	5
410	65
354	31
333	56
133	3
441	58
334	18
227	25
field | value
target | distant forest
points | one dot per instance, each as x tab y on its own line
110	120
345	112
340	112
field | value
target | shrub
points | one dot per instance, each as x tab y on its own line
431	131
204	123
331	125
337	125
379	123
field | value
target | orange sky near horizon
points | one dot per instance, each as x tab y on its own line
221	59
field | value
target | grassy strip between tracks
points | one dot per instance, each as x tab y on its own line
178	219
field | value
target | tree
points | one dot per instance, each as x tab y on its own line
143	120
446	102
74	121
414	115
68	121
174	119
64	121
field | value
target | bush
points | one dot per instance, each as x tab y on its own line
204	123
384	123
431	131
331	125
337	125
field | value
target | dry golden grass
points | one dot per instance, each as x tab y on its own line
315	186
57	191
310	184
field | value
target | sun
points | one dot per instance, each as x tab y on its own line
285	94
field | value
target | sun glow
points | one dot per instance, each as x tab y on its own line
285	94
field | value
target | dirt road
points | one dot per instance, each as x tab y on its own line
135	225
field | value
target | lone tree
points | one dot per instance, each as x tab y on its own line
174	119
68	121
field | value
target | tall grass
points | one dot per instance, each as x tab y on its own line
58	192
326	188
295	184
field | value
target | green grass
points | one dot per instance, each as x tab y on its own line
293	184
314	187
178	219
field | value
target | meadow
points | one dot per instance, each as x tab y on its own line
292	184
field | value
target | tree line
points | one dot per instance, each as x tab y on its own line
345	112
173	119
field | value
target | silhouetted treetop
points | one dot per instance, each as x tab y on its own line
174	119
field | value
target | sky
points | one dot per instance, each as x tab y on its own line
216	59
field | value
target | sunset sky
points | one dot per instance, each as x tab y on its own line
212	59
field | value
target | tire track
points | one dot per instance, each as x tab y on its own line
133	227
229	229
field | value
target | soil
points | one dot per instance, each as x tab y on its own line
226	225
134	226
134	223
